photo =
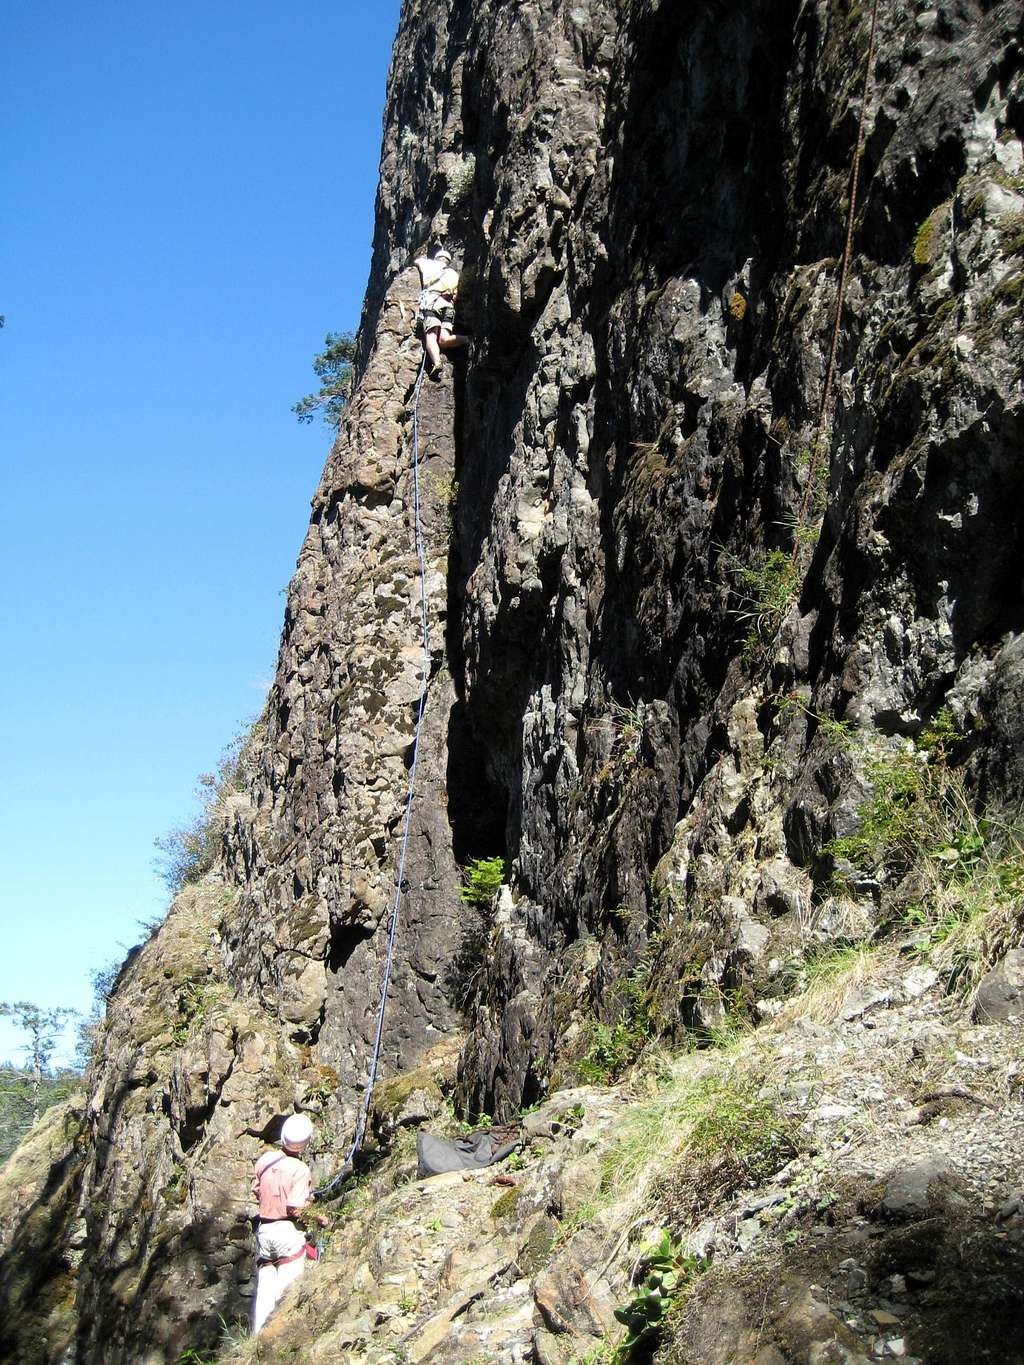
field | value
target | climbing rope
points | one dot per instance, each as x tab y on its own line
396	902
844	273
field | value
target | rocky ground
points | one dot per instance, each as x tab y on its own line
848	1176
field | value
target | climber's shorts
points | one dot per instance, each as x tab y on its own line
438	316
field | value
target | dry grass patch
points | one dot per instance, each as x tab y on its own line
719	1127
828	979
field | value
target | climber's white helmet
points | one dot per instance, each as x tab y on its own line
296	1130
443	254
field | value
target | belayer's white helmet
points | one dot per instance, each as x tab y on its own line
296	1130
443	254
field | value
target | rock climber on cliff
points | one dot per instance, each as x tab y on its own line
284	1187
436	312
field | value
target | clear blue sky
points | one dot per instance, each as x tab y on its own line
188	196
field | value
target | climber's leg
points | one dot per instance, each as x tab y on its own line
451	341
288	1272
267	1294
431	343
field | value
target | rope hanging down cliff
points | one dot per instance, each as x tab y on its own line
389	957
844	275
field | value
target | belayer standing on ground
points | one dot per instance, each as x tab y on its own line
436	312
284	1187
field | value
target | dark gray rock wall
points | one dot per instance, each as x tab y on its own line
639	422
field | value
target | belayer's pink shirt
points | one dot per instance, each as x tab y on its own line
281	1182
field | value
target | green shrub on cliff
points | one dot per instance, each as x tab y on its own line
612	1048
667	1272
460	180
481	879
191	850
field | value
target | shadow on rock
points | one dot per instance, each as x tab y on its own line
908	1268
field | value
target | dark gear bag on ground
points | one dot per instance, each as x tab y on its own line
473	1152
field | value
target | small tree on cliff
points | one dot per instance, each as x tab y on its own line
43	1027
333	367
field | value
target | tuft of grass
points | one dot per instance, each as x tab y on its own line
1010	231
196	999
822	981
738	1123
627	725
717	1119
764	591
838	733
951	875
237	1338
967	909
734	1024
237	1345
188	852
838	963
649	460
601	1354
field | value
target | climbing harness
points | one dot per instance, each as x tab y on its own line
844	273
371	1076
435	308
261	1261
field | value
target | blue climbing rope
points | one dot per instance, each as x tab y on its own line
389	958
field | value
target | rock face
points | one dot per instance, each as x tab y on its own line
658	280
314	851
38	1253
654	574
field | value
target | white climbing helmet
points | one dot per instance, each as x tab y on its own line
296	1130
443	254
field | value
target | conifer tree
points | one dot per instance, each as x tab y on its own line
333	367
